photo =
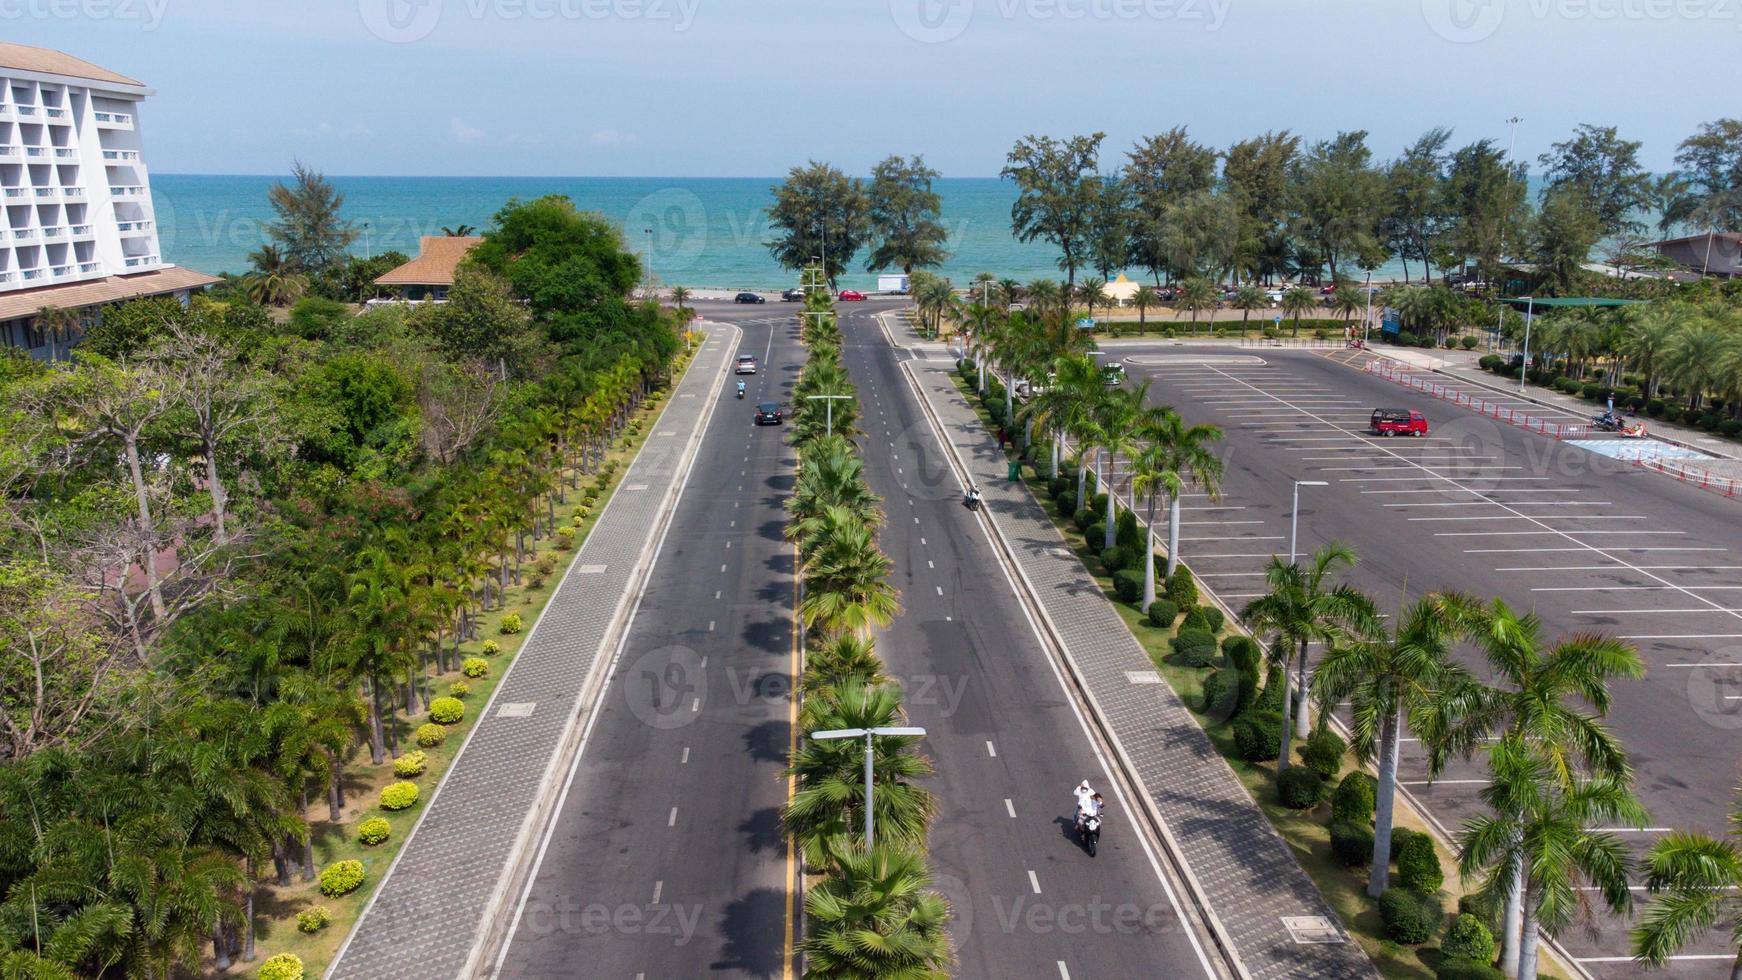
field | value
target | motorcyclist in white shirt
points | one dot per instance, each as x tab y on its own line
1088	801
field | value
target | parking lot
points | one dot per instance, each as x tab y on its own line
1588	541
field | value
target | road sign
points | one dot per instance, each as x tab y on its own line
1086	323
1278	319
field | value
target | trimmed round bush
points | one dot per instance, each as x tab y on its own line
1485	907
373	831
492	648
1128	585
510	625
1162	613
1351	843
1410	917
1270	699
1096	536
1418	867
447	711
1299	788
1194	647
1058	485
1242	654
1126	533
565	537
284	966
475	667
1456	968
410	764
1467	938
313	919
1098	504
1066	502
1258	735
1115	558
398	796
341	878
459	689
430	735
1323	753
1491	362
1399	837
1354	797
1220	689
1213	618
1182	588
1195	620
1082	518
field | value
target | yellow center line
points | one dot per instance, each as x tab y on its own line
792	780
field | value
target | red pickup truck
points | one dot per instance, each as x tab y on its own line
1398	421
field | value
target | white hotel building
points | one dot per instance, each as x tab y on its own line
77	229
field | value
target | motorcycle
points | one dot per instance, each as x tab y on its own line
971	500
1608	422
1089	831
740	390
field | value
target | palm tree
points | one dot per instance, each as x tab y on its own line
1694	880
1067	402
1196	294
1544	836
829	803
874	919
1183	457
1303	607
1144	298
1297	301
1092	291
1347	301
842	661
680	295
846	579
275	281
1246	299
1409	674
459	231
1119	423
1696	358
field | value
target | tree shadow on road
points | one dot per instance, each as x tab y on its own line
753	927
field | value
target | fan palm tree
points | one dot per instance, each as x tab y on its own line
829	803
1694	880
1408	675
846	580
1297	301
842	661
1304	606
459	231
1246	299
1196	294
1143	299
831	474
873	919
1696	358
1545	834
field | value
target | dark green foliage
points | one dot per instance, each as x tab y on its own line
1354	799
1410	917
1213	617
1258	735
1242	654
1126	533
1098	504
1483	906
1096	536
1299	788
1182	588
1323	753
1418	867
1270	699
1083	518
1351	843
1162	613
1221	690
1196	620
1399	836
1059	485
1194	647
1454	968
1066	502
1468	938
317	318
1128	585
1115	558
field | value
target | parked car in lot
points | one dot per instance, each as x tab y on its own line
749	298
746	364
792	296
851	296
1397	421
768	413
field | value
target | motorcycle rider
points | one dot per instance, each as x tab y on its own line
972	497
740	389
1088	802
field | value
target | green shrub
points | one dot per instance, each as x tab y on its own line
475	667
1730	427
1195	620
1082	518
411	764
546	565
1467	938
1455	968
459	689
1353	800
1096	536
1410	917
1258	735
313	919
1220	691
1126	533
1590	389
1654	408
1468	342
1162	613
1299	788
1351	843
565	538
1406	339
1115	558
492	648
341	878
510	625
1270	699
1213	617
430	735
1491	362
1483	906
1058	485
398	796
1418	867
1194	647
1098	504
1066	502
1182	589
284	966
1128	585
373	831
1242	654
1399	837
447	711
1323	753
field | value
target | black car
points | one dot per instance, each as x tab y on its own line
749	298
768	413
792	296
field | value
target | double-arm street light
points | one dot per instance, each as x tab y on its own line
868	734
831	399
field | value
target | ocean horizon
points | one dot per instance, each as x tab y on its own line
707	232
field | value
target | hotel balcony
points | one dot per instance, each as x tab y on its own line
120	154
33	275
36	151
7	111
114	120
133	227
57	116
73	192
140	261
17	192
28	111
47	193
126	190
90	266
65	152
84	231
56	232
23	234
8	277
61	270
11	152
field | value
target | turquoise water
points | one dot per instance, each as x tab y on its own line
704	231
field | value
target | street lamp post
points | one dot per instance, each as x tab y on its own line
1294	514
647	262
1367	321
1524	367
868	734
1500	307
831	399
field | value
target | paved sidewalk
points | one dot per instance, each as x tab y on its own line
1240	865
447	894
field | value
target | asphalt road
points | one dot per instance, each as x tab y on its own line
1007	742
666	859
1587	542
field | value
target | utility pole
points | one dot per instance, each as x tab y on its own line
1499	307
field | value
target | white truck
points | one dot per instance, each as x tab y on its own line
892	284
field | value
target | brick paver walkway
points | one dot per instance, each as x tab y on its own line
1241	866
448	892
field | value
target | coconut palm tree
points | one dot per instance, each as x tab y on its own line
1409	675
873	919
1183	457
680	295
1297	301
459	231
1547	835
1694	880
1092	291
1143	299
1196	294
1066	402
1246	299
1305	606
1119	423
275	281
1346	301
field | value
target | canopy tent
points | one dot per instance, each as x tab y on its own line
1574	302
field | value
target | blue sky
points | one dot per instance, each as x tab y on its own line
751	87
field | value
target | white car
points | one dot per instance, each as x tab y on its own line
746	364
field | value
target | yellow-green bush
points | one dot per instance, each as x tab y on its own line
284	966
447	711
313	919
475	667
373	831
342	878
410	764
510	625
431	735
565	538
492	648
459	689
398	796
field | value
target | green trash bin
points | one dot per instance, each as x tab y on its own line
1015	469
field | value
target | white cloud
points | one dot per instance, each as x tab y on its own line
612	137
463	133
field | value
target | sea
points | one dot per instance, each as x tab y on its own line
709	232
